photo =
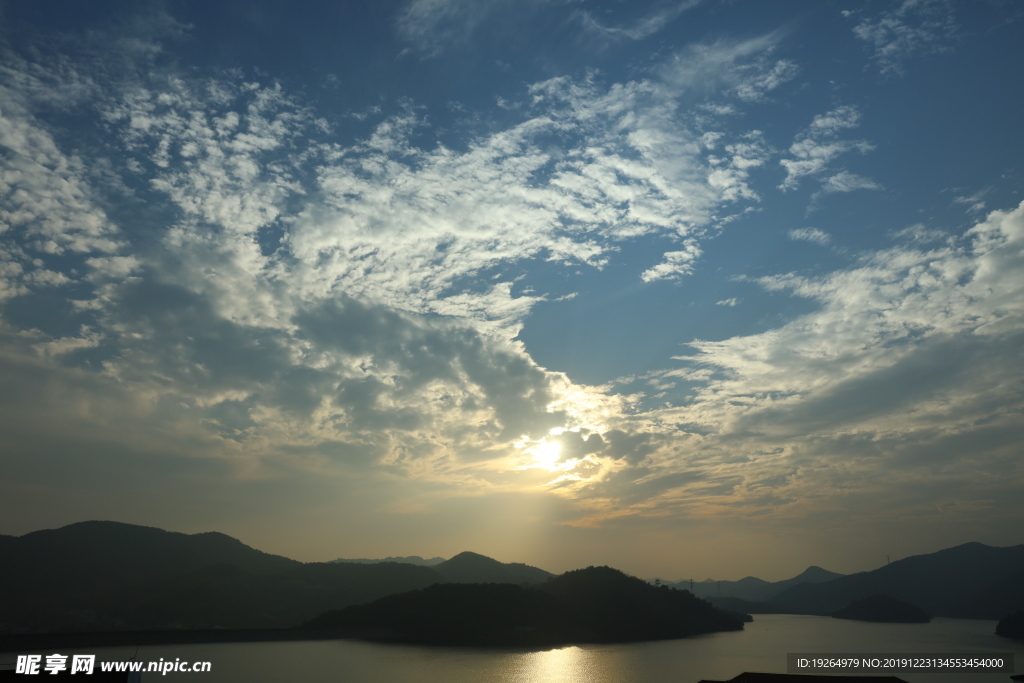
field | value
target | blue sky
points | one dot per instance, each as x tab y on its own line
706	287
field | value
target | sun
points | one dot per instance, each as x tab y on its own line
546	454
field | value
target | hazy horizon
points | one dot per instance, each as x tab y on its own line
704	288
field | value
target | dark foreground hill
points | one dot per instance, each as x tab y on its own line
104	576
593	605
971	581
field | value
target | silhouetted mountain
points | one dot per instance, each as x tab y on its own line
884	609
813	574
1011	626
969	581
473	568
753	588
597	604
62	577
224	596
410	559
111	576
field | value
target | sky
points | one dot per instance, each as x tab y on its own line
692	288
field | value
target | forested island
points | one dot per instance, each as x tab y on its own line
592	605
883	608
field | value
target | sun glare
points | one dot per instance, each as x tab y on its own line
546	454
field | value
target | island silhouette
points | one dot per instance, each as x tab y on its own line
883	608
592	605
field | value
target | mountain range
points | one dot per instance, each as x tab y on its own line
113	576
971	581
751	587
105	576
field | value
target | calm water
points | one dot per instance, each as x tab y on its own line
762	646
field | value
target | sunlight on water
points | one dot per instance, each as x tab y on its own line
565	665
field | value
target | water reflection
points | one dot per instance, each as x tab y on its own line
564	665
762	646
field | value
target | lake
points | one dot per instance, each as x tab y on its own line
762	646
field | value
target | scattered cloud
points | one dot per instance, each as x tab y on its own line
815	148
919	233
639	29
911	28
281	292
676	264
811	235
844	181
276	300
903	364
432	26
744	68
975	202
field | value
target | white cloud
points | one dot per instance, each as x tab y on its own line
910	366
676	264
815	148
284	293
975	202
641	28
810	235
743	68
431	26
333	306
911	28
920	233
896	306
844	181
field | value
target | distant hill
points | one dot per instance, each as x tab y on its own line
410	559
101	576
883	608
972	580
473	568
752	588
597	604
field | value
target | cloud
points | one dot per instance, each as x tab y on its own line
815	148
312	304
903	369
282	303
641	28
432	26
908	347
920	233
676	264
741	68
810	235
912	28
844	181
975	202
